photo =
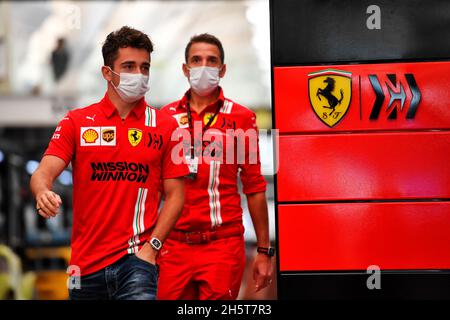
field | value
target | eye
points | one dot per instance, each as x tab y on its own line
213	60
145	70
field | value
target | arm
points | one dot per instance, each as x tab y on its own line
172	208
254	187
170	212
41	184
262	267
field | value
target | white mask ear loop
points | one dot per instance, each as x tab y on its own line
117	74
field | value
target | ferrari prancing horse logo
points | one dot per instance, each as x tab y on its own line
207	117
134	136
330	94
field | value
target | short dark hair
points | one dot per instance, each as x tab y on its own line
207	38
122	38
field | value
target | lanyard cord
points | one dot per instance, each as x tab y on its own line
206	127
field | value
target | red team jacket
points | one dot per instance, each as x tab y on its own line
117	167
212	199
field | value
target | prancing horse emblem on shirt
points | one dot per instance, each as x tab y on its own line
134	136
208	117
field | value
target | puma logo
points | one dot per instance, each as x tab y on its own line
91	118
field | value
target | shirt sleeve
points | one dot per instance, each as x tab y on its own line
173	167
62	143
251	177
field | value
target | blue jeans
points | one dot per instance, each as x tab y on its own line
129	278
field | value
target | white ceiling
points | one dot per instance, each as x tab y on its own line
242	26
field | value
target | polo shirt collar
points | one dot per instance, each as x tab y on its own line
183	102
109	109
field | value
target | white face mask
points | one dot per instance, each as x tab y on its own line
204	80
132	86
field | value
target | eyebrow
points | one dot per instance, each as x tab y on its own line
208	57
134	62
128	62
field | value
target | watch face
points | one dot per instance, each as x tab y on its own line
271	252
155	243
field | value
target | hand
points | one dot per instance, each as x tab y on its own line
47	204
262	271
147	253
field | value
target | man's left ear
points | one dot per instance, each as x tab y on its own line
222	71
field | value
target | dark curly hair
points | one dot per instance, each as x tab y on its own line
122	38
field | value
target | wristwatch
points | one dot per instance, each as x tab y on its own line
155	243
267	251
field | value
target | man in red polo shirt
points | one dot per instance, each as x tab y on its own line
204	256
120	148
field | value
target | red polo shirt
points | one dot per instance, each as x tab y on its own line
117	165
212	199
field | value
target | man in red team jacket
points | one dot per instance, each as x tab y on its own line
120	148
204	256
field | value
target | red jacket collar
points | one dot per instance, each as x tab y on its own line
187	96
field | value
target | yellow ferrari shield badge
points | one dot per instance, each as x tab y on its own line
207	117
330	93
134	136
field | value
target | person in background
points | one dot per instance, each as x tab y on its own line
204	256
60	59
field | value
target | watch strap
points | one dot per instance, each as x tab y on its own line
269	251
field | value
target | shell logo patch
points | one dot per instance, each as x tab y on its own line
90	136
182	119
